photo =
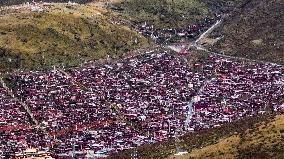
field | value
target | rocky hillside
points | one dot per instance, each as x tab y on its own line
255	31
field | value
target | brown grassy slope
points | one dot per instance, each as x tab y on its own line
265	140
63	34
254	31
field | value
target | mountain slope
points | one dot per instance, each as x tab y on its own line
266	140
164	13
68	34
254	31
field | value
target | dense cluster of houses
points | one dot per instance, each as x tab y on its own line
173	35
32	6
103	109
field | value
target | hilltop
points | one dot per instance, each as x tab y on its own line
254	31
61	33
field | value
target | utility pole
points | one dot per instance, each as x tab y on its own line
189	114
73	148
177	141
134	154
179	151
